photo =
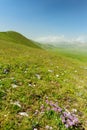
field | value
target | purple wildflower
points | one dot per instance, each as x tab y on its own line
55	109
63	119
47	101
66	125
69	119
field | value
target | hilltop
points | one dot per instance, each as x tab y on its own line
15	37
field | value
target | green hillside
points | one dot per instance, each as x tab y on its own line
38	88
11	36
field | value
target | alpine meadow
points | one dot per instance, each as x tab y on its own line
40	89
43	64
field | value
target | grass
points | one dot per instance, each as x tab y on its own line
30	75
79	54
17	38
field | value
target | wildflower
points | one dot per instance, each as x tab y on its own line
74	110
23	114
50	71
59	109
34	85
42	107
42	112
35	129
29	84
63	118
14	86
67	118
38	76
47	127
75	120
66	125
47	101
5	115
6	71
57	75
50	128
16	103
55	109
51	103
25	71
36	112
46	97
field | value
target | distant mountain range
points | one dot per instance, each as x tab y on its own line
65	45
63	42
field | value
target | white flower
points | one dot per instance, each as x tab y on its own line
29	84
35	129
74	110
23	114
38	76
47	127
36	112
5	115
25	71
67	111
14	86
50	71
16	103
50	128
57	75
34	85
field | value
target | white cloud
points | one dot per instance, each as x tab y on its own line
81	39
51	39
61	38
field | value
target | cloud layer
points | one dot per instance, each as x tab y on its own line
61	38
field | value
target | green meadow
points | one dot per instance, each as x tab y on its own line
33	80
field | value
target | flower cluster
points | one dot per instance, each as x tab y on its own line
67	118
54	106
64	117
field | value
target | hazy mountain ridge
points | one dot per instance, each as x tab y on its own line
66	45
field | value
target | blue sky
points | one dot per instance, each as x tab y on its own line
41	18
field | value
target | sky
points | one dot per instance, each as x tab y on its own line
45	20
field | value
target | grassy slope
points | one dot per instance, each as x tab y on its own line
16	37
66	82
77	53
71	51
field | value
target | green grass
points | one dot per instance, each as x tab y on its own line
17	38
28	75
79	54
